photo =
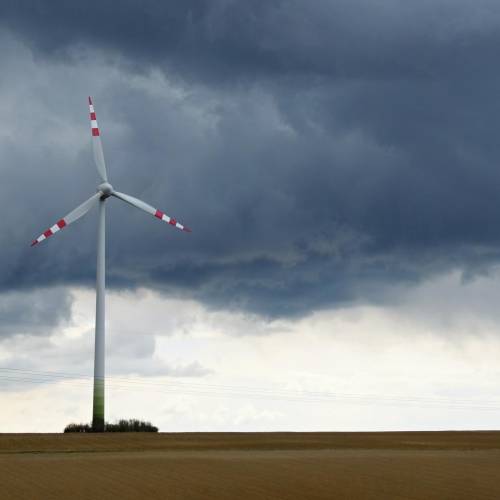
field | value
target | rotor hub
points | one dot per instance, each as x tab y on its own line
106	189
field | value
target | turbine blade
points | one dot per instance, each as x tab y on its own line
74	215
97	144
135	202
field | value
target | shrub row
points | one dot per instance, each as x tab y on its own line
131	425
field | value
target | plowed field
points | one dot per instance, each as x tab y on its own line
403	465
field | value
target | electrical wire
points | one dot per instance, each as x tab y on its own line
227	391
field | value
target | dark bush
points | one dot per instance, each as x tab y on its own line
132	425
78	428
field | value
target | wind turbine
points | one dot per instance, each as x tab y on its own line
104	191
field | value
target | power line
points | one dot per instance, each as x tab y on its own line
128	380
228	391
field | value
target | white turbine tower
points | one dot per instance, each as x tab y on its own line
104	191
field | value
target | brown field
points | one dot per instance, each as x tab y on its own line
241	466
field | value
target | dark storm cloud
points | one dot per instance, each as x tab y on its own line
320	150
228	39
36	312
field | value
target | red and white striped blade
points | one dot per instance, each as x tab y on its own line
135	202
97	144
74	215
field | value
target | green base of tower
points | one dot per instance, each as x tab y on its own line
98	409
98	425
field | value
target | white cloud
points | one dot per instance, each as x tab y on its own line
385	364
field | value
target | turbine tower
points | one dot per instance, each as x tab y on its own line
104	191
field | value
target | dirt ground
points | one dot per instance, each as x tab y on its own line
402	465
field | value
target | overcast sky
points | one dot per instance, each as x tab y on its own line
338	163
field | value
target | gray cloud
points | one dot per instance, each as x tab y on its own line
38	358
228	39
321	152
38	311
